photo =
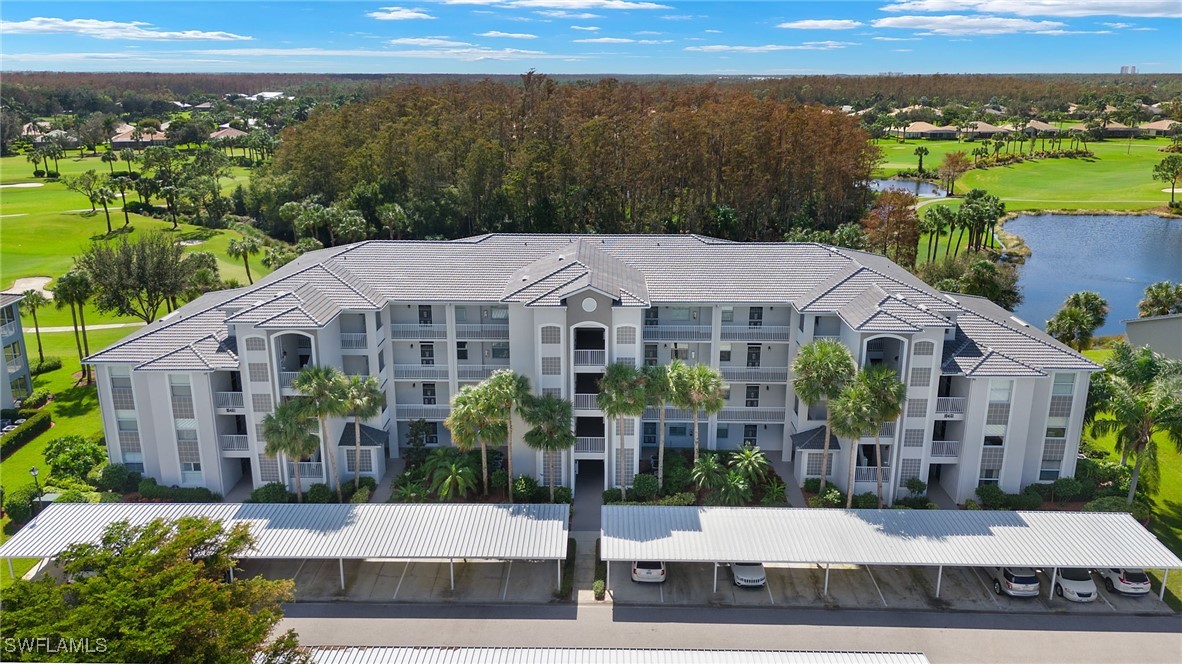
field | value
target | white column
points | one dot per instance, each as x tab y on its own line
451	568
826	579
715	577
1161	595
341	563
607	582
1054	576
559	575
453	382
939	579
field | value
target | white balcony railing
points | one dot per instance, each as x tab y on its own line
590	444
486	331
586	402
228	399
738	414
677	333
234	442
756	332
471	372
8	329
417	331
887	430
421	412
420	371
286	378
950	405
354	340
755	374
590	358
945	448
868	474
671	413
308	470
817	336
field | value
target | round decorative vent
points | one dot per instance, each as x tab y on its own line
589	304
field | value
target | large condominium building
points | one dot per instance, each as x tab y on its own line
17	381
990	399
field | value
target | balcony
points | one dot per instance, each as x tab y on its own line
420	372
286	378
418	331
477	372
354	341
234	442
950	407
869	474
422	412
886	430
818	336
738	414
308	470
944	449
591	445
756	332
228	400
755	374
586	402
8	329
590	358
676	333
483	331
671	413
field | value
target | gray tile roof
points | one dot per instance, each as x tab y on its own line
370	436
579	266
10	298
813	439
875	310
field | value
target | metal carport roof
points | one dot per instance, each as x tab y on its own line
880	537
413	655
387	530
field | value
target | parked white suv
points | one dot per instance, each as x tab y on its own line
1014	581
1076	585
1125	581
648	571
749	575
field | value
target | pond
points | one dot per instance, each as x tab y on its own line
1114	255
921	188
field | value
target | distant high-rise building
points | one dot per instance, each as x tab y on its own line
1128	69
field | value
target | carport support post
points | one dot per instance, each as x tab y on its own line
826	579
1161	595
451	568
939	578
12	574
559	562
715	577
1054	577
341	563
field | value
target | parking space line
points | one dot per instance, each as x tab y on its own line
872	580
299	569
508	572
767	583
400	578
988	591
661	587
1101	596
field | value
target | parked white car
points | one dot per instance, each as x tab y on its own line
649	571
1076	585
1014	581
750	575
1125	581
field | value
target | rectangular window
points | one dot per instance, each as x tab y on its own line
1049	474
1060	406
551	334
625	467
428	394
650	355
1053	449
678	430
427	354
990	476
728	314
425	314
500	350
754	355
1064	385
461	350
921	377
366	461
461	314
382	361
724	431
994	441
991	458
551	366
257	372
924	348
917	407
997	413
800	326
432	433
750	434
256	343
724	353
261	402
652	316
1056	432
679	353
755	317
122	396
268	468
629	426
625	336
377	320
1000	390
499	313
678	314
813	464
751	396
913	438
552	392
649	432
182	402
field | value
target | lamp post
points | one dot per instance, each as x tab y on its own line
34	473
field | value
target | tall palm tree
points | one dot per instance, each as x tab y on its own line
102	196
921	152
35	158
319	386
1160	299
362	397
819	371
698	388
73	290
473	422
622	394
123	183
659	392
506	392
128	156
34	300
288	431
551	418
109	158
1135	415
887	395
852	414
244	249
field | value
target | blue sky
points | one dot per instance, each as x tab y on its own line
595	36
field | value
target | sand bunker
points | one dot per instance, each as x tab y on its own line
22	185
32	283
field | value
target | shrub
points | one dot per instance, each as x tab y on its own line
348	488
72	496
73	456
1140	511
36	399
51	363
916	486
775	493
644	487
813	485
150	490
526	490
273	492
910	502
52	175
39	173
865	501
677	477
18	503
972	505
360	496
992	496
1042	489
1066	489
568	570
599	589
497	479
116	477
831	498
408	490
563	494
612	495
23	433
319	493
1024	501
683	499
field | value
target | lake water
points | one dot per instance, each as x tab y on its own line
1114	255
920	188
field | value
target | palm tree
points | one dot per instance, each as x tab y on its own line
102	196
319	386
34	300
551	418
887	395
1160	299
852	414
453	480
35	158
921	152
819	371
361	396
622	394
506	391
659	392
74	290
109	158
699	389
123	183
472	422
751	462
287	431
1072	326
128	156
244	249
1136	414
735	488
708	472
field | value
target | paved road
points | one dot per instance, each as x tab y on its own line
943	637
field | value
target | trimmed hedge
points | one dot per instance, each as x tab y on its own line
273	492
644	487
568	572
116	477
562	495
51	363
32	427
150	490
36	399
360	496
18	503
348	490
319	493
865	501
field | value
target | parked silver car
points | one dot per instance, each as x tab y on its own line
1014	581
1076	585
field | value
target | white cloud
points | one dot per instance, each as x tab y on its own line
771	48
132	30
426	41
713	32
1118	26
679	17
821	24
585	28
901	50
472	54
621	40
583	4
1064	8
558	13
399	14
895	38
507	35
954	24
647	32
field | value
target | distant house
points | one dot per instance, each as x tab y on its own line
982	129
179	104
928	130
1111	130
1161	333
56	136
203	106
226	132
34	129
1160	127
146	138
1033	127
18	381
908	109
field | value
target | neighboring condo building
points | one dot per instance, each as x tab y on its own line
17	381
990	399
